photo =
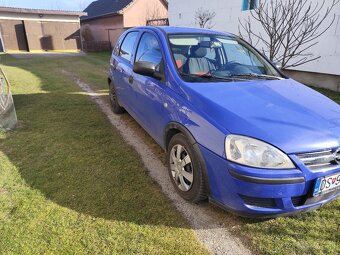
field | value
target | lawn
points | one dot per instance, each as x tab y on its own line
69	182
333	95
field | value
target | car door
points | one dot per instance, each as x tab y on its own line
121	70
150	96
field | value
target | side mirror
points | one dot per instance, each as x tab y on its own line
278	65
147	69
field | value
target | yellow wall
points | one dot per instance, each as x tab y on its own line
140	11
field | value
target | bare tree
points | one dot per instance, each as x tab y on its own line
152	13
86	33
204	18
289	28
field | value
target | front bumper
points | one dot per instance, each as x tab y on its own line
263	193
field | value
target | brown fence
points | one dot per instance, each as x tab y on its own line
94	46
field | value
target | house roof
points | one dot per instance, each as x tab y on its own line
100	8
40	11
104	8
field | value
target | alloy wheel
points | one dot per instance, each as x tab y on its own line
181	167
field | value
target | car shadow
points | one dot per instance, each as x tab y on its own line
84	171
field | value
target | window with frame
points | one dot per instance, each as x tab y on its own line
250	4
237	53
149	50
127	45
117	47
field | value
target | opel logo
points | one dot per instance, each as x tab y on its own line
337	156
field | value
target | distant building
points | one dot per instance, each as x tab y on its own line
325	72
107	19
32	30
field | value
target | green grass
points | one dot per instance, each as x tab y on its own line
71	185
68	182
331	94
316	232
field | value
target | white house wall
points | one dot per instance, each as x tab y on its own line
228	13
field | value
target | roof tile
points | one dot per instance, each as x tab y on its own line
101	8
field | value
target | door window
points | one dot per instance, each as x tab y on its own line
127	46
149	50
117	47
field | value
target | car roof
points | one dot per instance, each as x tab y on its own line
184	30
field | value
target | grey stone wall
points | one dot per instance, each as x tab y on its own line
326	81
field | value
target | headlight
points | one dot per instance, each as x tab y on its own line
252	152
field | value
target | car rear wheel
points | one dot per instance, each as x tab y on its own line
116	108
185	169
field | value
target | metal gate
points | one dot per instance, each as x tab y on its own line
2	49
157	22
8	117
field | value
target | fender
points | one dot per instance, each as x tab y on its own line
182	129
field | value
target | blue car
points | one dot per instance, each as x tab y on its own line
236	130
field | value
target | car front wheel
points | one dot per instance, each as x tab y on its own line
185	169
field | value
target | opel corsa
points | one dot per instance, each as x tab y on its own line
237	131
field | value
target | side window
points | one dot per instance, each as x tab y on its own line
211	54
150	51
127	46
117	47
236	53
250	4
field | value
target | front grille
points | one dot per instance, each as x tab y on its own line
321	159
299	201
259	202
309	199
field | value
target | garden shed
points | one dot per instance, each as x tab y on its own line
33	30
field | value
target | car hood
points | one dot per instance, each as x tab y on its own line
284	113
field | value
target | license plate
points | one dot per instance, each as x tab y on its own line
326	184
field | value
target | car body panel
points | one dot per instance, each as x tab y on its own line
283	113
279	112
226	190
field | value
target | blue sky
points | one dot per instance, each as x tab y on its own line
73	5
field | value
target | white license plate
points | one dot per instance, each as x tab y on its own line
326	184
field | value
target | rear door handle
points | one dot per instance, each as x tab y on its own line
130	79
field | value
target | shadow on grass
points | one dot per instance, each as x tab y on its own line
66	149
75	159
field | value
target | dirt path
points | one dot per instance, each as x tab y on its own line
206	222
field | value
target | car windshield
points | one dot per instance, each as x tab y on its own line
215	57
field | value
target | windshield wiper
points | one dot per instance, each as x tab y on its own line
211	76
257	76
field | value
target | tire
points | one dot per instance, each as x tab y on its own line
116	108
189	180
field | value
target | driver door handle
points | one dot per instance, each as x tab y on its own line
130	79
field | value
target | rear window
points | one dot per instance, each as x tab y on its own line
127	45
